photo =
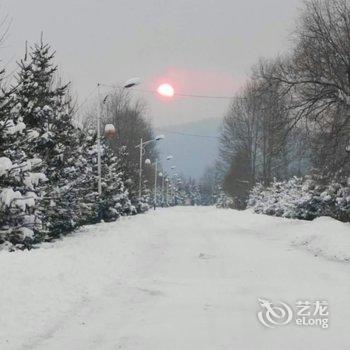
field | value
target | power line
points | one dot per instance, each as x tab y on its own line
190	135
156	92
175	94
205	96
188	95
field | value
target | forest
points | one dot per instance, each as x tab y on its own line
285	140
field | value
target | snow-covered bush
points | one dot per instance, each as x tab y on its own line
143	206
224	201
302	199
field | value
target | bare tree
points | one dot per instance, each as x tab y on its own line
317	76
131	124
209	186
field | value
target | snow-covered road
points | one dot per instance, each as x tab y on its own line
182	278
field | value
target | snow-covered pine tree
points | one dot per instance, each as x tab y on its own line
114	201
122	159
70	182
86	186
45	108
69	156
20	220
40	106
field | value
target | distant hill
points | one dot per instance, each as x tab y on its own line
193	145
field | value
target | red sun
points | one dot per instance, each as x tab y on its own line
166	90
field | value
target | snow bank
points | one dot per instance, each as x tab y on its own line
324	237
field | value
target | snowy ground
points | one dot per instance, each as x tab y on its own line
182	278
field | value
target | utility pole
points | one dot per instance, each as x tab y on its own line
142	145
140	170
155	185
166	195
163	195
99	173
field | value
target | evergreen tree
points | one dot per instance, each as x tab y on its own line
46	110
44	156
20	220
114	200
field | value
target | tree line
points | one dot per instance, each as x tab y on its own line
293	116
48	165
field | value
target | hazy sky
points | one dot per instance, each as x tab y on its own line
200	46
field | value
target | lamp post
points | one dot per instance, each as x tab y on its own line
161	175
142	146
148	162
167	191
128	84
155	185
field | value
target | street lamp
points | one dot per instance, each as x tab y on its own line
110	131
148	162
159	137
130	83
141	146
